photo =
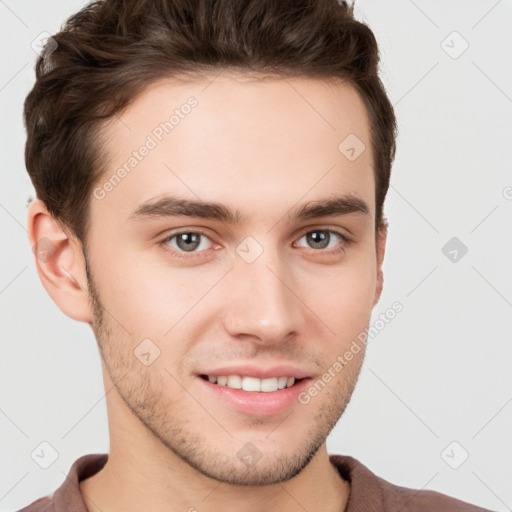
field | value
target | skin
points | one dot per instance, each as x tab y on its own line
264	147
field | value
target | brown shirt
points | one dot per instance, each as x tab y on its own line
368	492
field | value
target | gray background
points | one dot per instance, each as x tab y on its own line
439	372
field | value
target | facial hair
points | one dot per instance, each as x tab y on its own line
143	392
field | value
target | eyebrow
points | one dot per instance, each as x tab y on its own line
174	206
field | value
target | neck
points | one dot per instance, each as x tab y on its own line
129	483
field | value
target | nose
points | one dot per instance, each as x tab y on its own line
263	300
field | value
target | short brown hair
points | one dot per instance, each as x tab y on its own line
109	51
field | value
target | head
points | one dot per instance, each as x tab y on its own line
256	112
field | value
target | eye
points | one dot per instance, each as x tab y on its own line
193	242
320	240
185	242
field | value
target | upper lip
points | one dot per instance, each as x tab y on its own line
282	370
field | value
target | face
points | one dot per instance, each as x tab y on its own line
245	287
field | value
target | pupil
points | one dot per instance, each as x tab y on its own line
189	239
318	237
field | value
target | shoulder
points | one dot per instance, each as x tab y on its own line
68	497
370	492
424	500
45	504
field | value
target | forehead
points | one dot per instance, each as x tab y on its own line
258	144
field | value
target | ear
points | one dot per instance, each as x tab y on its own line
60	263
381	238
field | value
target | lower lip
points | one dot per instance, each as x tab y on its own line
257	403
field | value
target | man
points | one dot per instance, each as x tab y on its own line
210	182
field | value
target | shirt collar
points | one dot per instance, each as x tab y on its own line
366	493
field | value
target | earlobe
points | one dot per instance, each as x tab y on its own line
60	263
381	249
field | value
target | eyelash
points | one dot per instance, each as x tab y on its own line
346	241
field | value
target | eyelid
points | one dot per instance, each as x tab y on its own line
338	231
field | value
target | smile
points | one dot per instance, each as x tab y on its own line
251	383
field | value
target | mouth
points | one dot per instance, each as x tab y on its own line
250	395
252	384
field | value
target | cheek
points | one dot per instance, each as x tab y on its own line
149	298
345	299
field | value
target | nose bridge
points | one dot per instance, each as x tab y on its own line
262	301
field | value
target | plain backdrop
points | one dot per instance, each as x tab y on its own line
433	405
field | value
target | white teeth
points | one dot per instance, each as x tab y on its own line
234	381
268	385
252	383
281	382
